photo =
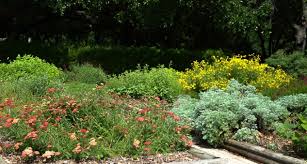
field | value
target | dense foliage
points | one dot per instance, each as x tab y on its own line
162	82
204	76
28	66
295	127
86	74
296	86
294	63
221	114
257	26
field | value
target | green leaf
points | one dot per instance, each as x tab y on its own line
304	126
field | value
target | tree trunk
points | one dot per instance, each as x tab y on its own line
262	44
301	28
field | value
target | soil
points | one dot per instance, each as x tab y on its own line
277	144
153	159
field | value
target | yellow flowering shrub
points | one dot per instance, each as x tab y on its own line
204	76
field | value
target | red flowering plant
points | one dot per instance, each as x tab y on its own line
66	127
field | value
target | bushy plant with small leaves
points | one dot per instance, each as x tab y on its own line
219	114
246	135
294	63
28	76
86	74
294	103
296	131
28	66
162	82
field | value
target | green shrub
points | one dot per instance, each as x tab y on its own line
3	70
86	74
183	107
296	131
27	67
294	103
300	139
295	63
162	82
26	89
219	114
118	59
295	127
35	86
246	135
28	76
295	87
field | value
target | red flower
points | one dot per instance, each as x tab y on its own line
7	145
147	143
83	131
58	118
8	124
183	138
9	103
51	90
146	149
17	145
189	143
140	119
33	135
176	118
178	129
144	111
75	110
72	103
32	121
170	113
157	98
44	125
186	140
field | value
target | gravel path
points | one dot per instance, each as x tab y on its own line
224	157
154	159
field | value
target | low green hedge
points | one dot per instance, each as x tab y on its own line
112	59
118	59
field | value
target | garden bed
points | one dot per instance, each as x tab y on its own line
85	114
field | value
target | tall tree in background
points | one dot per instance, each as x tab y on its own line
261	26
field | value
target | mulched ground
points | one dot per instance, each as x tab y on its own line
277	144
154	159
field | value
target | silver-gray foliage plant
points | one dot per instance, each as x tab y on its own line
219	114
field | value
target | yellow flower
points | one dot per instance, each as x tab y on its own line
204	76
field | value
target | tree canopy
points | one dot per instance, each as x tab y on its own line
261	26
